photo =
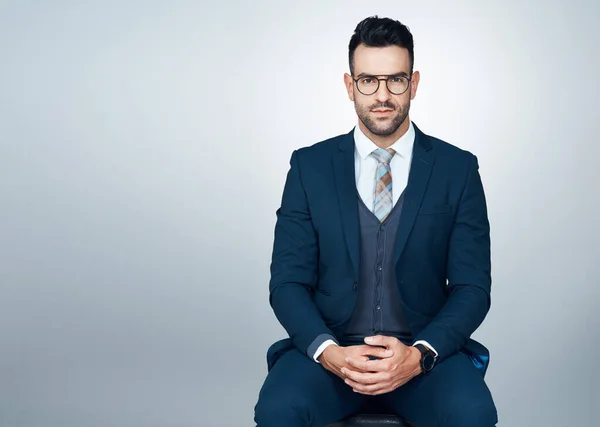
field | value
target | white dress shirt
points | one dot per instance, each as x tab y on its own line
365	167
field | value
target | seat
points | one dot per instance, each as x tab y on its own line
372	415
372	420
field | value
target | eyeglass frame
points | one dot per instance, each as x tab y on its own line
388	76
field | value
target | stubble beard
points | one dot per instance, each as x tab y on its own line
382	128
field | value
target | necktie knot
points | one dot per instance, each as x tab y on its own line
384	155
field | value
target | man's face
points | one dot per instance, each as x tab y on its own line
382	112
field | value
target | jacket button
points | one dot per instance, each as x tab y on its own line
355	285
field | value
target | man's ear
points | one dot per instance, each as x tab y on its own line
414	84
349	83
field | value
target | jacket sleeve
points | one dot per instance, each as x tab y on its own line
468	269
294	265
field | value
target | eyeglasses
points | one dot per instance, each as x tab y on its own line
368	85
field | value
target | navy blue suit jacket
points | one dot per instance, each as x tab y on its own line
442	249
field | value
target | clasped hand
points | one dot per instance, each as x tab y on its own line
394	366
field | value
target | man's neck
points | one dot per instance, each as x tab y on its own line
385	141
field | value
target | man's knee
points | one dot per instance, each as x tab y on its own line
279	410
478	412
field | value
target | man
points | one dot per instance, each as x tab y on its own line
381	263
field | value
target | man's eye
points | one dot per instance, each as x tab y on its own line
396	79
367	80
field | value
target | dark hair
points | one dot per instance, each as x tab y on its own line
381	32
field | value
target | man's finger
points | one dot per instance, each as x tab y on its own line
356	363
381	340
361	365
377	365
371	389
364	377
375	351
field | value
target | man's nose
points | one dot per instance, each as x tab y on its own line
382	94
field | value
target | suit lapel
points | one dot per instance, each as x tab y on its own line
418	178
343	166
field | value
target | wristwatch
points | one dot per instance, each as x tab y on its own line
428	357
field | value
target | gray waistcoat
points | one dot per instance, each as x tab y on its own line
378	309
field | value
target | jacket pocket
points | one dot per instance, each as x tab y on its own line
323	291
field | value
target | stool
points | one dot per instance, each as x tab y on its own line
372	414
371	420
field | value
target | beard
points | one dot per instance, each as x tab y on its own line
382	127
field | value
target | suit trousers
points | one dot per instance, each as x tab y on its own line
298	392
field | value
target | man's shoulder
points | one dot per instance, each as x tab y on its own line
453	152
321	149
450	159
324	147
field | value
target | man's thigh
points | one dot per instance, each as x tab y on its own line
300	392
453	394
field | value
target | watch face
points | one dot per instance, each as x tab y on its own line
428	362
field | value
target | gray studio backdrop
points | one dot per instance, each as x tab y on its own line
143	151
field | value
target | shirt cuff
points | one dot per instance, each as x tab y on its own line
322	348
426	344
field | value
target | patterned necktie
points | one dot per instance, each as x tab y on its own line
382	190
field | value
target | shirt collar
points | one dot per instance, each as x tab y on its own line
403	146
